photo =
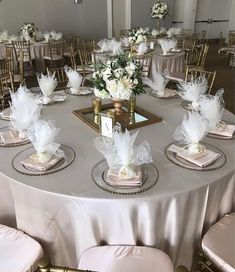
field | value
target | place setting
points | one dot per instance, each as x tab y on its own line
45	156
189	151
158	85
127	168
24	109
74	85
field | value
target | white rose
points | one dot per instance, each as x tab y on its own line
111	86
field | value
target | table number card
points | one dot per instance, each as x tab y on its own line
106	125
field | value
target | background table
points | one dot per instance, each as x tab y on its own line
68	213
173	63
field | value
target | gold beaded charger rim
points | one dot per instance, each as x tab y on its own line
173	95
24	142
149	179
217	164
3	117
70	155
221	137
83	88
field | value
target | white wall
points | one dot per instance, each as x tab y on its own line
140	13
217	10
88	19
119	16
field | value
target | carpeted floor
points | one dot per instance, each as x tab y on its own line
224	76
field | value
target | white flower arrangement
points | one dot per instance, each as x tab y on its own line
29	30
159	9
137	35
118	78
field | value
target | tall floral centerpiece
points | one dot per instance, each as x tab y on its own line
136	36
159	10
118	79
29	31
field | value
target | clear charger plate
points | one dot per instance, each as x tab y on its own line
169	94
220	162
5	114
22	155
23	142
84	90
149	179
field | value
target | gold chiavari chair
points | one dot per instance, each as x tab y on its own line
145	62
189	44
187	31
56	51
192	73
46	266
88	45
124	32
87	60
6	66
193	57
9	52
6	84
231	39
60	76
24	46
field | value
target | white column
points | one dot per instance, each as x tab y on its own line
110	18
128	14
190	7
231	23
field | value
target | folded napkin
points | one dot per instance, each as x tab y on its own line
202	159
168	93
47	100
192	130
75	79
192	90
113	178
33	161
226	131
11	136
121	153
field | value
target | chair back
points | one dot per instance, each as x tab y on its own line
192	73
56	49
189	43
86	57
60	76
125	258
6	66
6	84
9	52
231	39
88	45
145	62
124	32
193	57
24	46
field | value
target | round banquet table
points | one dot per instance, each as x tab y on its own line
68	213
172	63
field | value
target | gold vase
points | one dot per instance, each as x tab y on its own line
118	104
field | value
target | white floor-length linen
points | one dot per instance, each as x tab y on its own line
68	213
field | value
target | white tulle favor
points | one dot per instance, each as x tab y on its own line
75	79
4	35
173	31
192	90
167	45
25	110
192	130
104	45
47	84
212	107
159	81
46	36
142	48
115	47
56	35
121	153
42	135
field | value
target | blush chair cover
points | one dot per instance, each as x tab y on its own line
219	243
18	251
125	259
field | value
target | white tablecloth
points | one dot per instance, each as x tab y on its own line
68	213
